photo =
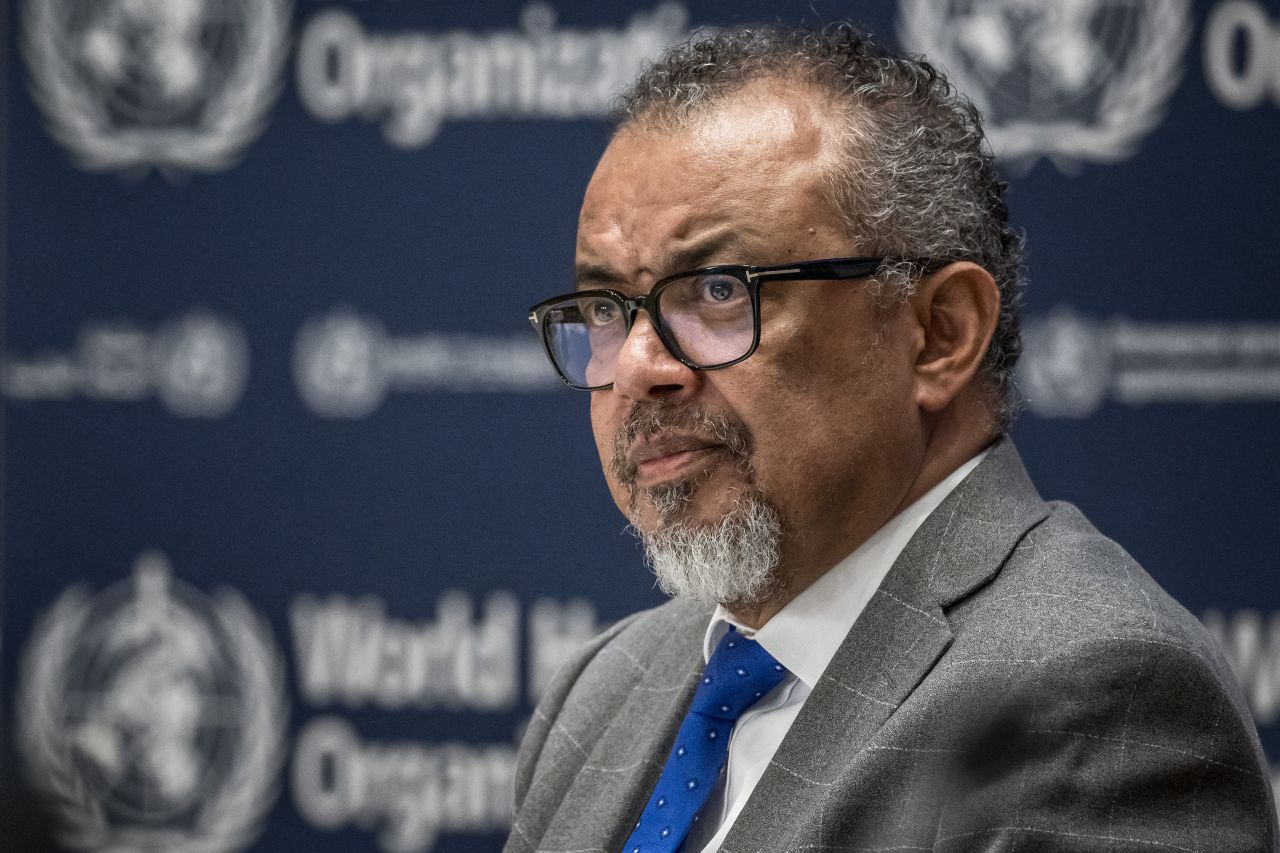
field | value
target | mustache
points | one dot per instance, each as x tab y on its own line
650	417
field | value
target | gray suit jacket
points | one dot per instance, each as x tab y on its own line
1018	682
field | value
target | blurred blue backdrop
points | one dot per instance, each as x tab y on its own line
296	519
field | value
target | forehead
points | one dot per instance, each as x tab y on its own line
746	175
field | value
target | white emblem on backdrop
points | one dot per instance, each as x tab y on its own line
178	85
153	717
200	365
337	365
197	364
1066	365
1072	365
345	364
1073	80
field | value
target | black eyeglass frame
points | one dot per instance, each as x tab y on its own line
825	269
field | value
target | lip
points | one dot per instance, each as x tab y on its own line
668	456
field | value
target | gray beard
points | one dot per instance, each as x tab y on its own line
731	562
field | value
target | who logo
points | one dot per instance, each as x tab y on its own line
175	85
1072	81
153	717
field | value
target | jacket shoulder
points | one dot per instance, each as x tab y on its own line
1094	682
1065	580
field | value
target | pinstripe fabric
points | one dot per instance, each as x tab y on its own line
1018	682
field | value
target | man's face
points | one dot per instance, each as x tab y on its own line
816	420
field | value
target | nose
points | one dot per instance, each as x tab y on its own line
647	370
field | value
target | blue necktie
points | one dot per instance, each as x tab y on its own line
739	673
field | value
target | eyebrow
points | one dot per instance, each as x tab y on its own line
587	275
594	275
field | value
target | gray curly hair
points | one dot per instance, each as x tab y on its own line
917	178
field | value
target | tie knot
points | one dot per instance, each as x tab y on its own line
739	673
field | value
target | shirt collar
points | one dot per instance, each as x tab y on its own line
804	635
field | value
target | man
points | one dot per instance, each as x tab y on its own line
900	644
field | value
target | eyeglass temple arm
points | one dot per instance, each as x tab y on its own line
836	268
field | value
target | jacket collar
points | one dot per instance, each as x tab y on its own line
895	642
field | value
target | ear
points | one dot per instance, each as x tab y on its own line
956	309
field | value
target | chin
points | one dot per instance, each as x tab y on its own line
674	504
731	557
692	501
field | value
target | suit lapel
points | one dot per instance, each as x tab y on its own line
893	644
621	768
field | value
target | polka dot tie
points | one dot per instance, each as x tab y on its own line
738	674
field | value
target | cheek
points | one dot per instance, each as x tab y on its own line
819	408
821	367
606	417
851	358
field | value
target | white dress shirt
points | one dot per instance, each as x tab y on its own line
803	636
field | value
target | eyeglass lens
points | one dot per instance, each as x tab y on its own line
709	318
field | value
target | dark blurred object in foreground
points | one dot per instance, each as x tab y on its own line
26	826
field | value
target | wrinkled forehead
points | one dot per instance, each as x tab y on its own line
762	114
751	125
748	163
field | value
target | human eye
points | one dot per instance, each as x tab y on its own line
600	312
717	290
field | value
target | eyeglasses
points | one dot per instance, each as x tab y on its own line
707	318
